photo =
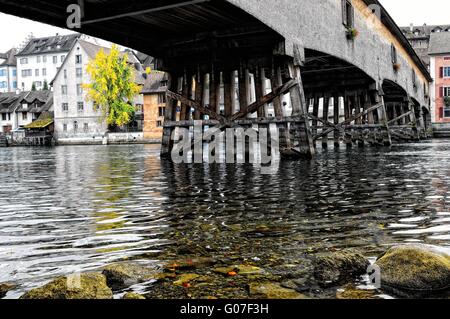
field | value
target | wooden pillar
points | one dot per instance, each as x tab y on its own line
277	81
301	129
244	101
347	114
227	93
359	121
315	123
170	115
382	118
198	94
326	109
214	89
336	115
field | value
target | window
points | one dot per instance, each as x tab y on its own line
64	89
14	72
44	59
347	14
414	79
65	74
26	73
63	57
55	59
394	54
24	61
79	89
24	116
161	98
446	113
38	83
446	72
36	72
38	59
65	107
75	127
78	59
2	72
161	111
445	91
159	124
44	72
3	85
86	127
3	116
80	106
64	127
79	72
14	84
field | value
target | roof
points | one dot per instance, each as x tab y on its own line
153	84
424	31
439	43
55	44
9	57
389	22
42	122
145	59
10	101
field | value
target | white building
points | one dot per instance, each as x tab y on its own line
8	71
76	121
39	61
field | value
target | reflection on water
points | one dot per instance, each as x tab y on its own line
71	209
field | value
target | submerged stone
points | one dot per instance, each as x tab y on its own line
84	286
244	270
185	279
271	290
123	275
415	268
133	296
334	268
4	288
188	264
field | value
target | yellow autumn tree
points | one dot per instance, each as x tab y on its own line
112	88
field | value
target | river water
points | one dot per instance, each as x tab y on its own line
77	208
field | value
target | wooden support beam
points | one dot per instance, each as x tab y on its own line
326	109
196	105
336	115
170	115
349	120
228	96
398	118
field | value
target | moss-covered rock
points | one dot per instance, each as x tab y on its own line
415	268
4	288
84	286
133	296
353	293
272	290
123	275
335	268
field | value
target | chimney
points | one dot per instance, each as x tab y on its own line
411	27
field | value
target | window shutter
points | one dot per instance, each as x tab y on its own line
441	112
441	92
352	16
441	72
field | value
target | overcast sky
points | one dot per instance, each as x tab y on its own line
404	12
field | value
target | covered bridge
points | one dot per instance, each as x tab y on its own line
346	58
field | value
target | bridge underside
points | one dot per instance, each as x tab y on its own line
227	69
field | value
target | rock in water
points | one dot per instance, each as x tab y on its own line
84	286
123	275
415	268
271	290
4	288
334	268
133	296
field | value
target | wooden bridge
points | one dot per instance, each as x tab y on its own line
316	70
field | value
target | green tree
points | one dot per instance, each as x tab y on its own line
45	88
33	87
112	88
